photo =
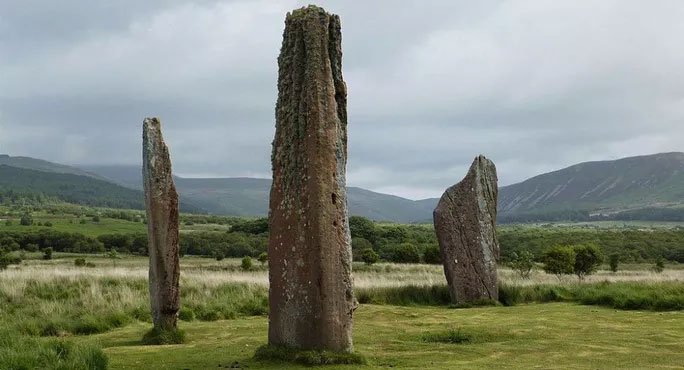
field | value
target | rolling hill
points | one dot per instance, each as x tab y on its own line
644	187
600	188
243	196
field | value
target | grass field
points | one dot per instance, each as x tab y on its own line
549	336
56	315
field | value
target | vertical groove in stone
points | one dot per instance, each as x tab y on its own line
311	298
161	204
465	223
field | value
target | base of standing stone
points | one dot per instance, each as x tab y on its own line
271	353
156	336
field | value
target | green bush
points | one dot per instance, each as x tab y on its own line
79	262
26	220
523	263
47	253
432	255
659	265
263	258
614	262
369	257
559	261
246	263
186	314
588	258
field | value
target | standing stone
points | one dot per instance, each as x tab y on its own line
311	298
161	203
465	222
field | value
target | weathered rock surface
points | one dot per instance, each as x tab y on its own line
311	298
161	202
465	223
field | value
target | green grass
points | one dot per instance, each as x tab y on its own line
278	355
156	336
660	296
21	352
550	336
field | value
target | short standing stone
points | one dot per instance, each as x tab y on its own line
161	203
311	299
465	223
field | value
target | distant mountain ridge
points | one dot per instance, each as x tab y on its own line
601	187
643	187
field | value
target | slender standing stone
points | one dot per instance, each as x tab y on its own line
465	223
161	203
311	298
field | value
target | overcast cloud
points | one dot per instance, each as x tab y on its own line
534	85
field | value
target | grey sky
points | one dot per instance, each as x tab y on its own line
534	85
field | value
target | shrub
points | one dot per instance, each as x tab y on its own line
432	255
659	265
404	253
588	258
358	246
523	264
186	314
8	223
263	258
96	218
82	221
47	223
369	257
559	261
79	262
26	220
47	253
246	263
613	262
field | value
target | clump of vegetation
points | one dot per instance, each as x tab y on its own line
263	258
47	253
432	255
79	262
613	262
588	257
22	352
559	261
659	265
270	353
246	263
26	220
156	336
369	256
661	296
453	336
410	295
523	264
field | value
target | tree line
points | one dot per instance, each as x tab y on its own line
371	241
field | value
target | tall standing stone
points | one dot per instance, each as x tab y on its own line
465	223
311	298
161	203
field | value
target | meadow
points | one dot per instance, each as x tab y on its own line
67	316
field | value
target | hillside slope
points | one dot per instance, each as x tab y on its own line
604	187
69	188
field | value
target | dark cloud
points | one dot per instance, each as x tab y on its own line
535	85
